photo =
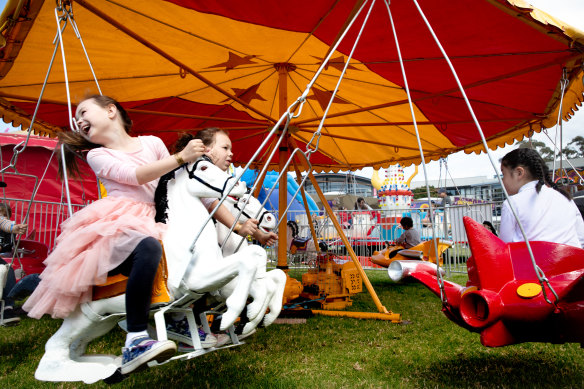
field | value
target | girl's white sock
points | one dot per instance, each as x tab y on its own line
133	335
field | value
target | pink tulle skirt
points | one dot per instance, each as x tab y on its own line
92	242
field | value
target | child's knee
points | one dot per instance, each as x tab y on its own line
152	248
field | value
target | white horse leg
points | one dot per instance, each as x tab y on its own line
269	287
70	340
248	268
258	290
207	277
278	277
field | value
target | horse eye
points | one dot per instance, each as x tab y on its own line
203	168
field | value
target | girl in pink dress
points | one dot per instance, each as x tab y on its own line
116	234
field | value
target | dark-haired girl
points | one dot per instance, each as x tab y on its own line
116	234
546	213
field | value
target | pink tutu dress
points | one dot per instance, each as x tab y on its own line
101	236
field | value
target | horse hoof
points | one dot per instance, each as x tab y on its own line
254	309
116	377
227	319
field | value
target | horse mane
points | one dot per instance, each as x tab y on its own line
161	196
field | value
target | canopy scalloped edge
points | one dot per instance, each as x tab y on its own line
18	117
547	19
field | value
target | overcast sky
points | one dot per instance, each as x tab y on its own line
469	165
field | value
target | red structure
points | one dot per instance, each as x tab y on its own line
504	301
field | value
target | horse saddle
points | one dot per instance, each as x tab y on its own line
116	285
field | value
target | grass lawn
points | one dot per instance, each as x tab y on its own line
327	352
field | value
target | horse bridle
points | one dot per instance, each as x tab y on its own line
244	213
192	175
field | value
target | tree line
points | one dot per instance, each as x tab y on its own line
574	148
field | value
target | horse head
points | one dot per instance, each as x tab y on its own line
251	208
200	179
207	180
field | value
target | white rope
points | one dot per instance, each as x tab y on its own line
439	278
539	273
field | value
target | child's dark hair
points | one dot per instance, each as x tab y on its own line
406	222
207	135
76	145
534	164
490	227
5	208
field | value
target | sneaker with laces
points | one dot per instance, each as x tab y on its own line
10	318
143	350
179	331
207	341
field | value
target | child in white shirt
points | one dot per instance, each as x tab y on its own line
546	214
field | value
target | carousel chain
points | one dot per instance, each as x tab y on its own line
294	111
563	85
19	148
541	277
262	172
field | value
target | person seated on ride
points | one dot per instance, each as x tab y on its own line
344	217
546	214
408	239
218	149
116	234
8	229
489	226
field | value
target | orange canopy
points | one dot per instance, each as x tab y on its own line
182	65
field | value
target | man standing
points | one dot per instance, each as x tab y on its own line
446	200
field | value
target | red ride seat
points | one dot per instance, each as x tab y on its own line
30	254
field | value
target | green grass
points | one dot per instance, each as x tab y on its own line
327	352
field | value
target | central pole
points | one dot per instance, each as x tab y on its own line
283	69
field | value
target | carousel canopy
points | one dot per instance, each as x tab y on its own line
182	65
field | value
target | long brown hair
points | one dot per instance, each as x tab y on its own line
207	135
77	146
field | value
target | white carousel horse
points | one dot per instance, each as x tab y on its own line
274	281
64	358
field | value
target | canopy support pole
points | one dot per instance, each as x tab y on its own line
283	156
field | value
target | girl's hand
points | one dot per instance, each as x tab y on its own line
250	227
193	150
266	239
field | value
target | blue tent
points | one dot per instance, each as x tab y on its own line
272	204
